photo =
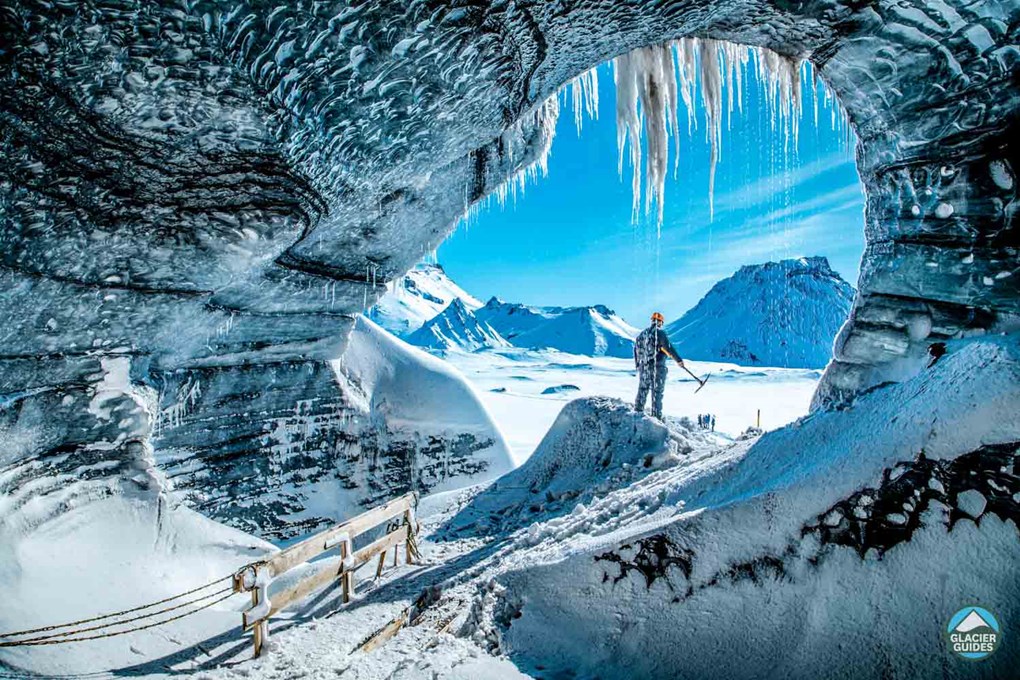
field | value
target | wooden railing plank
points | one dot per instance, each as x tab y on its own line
304	588
342	536
287	559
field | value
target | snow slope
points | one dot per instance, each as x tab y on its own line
110	555
782	314
591	331
456	328
416	297
775	545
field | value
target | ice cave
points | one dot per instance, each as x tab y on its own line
198	198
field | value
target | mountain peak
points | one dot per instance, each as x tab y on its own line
418	296
782	313
456	327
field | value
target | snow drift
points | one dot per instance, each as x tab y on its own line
782	314
767	550
595	445
114	554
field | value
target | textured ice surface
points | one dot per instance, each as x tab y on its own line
223	186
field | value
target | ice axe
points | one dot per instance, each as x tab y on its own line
701	383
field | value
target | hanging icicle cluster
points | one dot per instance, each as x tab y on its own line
651	80
544	118
584	94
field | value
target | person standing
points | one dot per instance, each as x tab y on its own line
651	350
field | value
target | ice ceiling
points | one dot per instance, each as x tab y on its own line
203	185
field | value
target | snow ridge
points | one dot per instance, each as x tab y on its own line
418	296
591	331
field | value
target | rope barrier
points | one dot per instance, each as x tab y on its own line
115	623
79	622
34	642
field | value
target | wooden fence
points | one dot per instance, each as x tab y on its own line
256	578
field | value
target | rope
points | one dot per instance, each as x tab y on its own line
118	623
33	642
116	614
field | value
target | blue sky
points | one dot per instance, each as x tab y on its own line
570	240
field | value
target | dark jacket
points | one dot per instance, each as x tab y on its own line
653	346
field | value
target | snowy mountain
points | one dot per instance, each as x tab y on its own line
418	296
513	318
456	328
421	310
782	314
591	331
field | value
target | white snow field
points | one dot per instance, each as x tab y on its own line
524	390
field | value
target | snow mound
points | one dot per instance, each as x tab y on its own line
416	297
456	328
559	389
775	546
782	314
595	444
415	392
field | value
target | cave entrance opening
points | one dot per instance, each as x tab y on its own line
671	169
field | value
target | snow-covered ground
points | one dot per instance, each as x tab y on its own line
524	390
626	549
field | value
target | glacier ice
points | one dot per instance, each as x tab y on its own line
221	188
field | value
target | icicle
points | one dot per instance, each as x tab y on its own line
646	97
711	96
584	91
686	51
628	120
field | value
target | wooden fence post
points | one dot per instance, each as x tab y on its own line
347	575
409	521
257	629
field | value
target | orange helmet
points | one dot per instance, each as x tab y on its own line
658	317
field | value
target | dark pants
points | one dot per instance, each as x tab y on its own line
651	378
